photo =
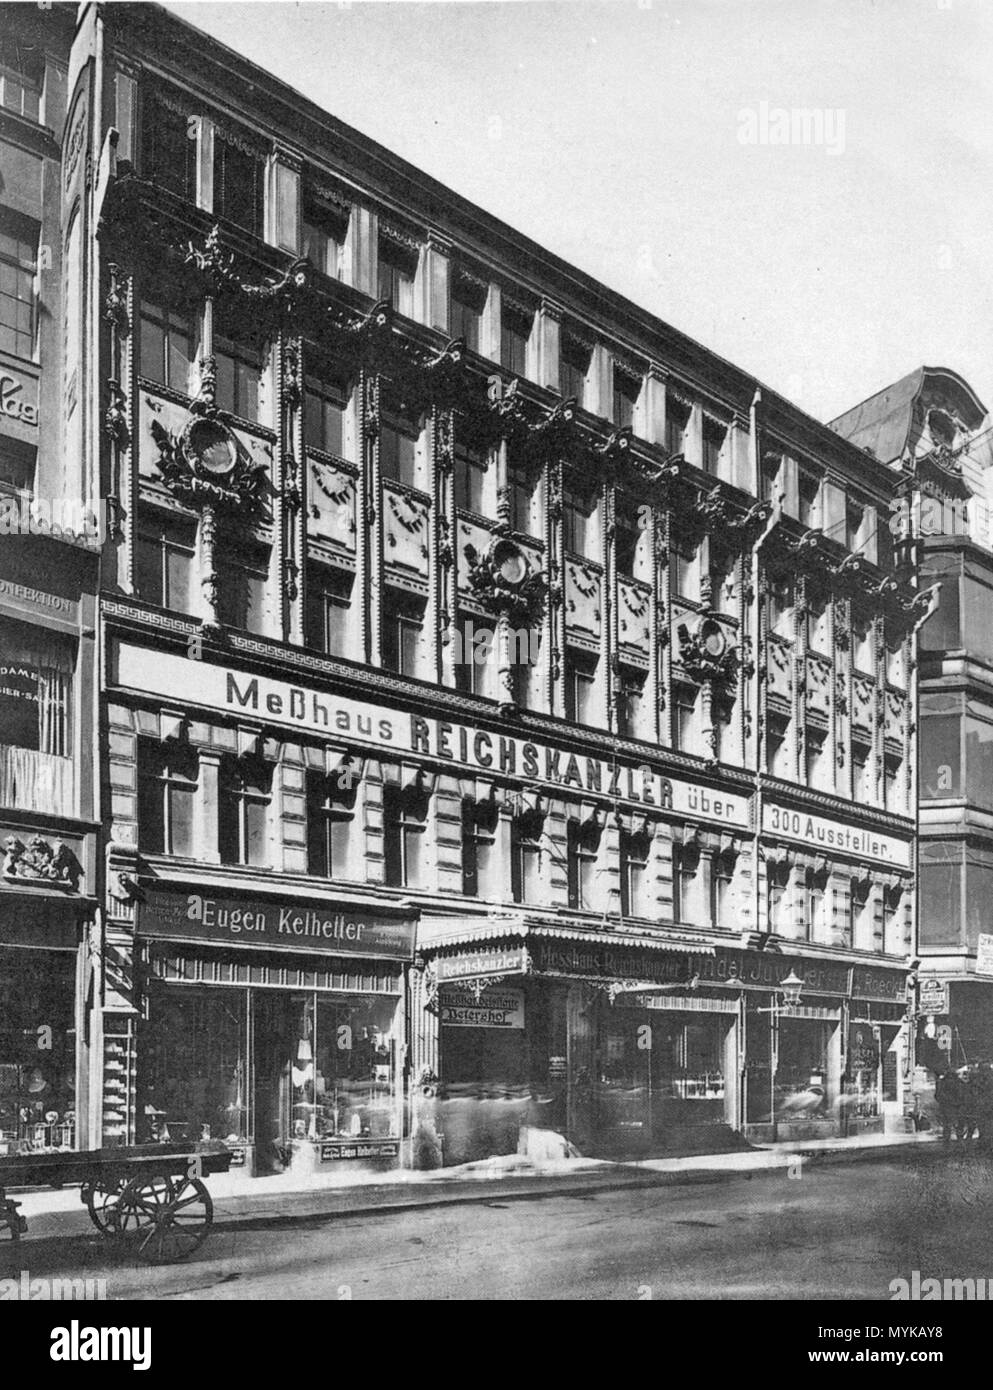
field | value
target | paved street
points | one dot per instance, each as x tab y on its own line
842	1231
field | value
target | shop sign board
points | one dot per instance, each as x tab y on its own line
319	713
495	1008
476	965
830	836
933	997
984	954
271	924
360	1148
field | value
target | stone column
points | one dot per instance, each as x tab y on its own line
549	330
650	410
431	283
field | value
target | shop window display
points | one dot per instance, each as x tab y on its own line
342	1075
194	1067
37	1051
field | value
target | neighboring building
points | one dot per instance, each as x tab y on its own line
358	436
933	426
48	583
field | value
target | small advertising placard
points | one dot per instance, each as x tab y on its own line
360	1148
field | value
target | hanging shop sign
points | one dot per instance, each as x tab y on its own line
494	1008
274	925
820	834
21	598
315	712
479	965
933	997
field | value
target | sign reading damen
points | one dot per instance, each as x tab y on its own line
286	926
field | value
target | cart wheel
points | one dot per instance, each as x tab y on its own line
101	1202
180	1224
138	1205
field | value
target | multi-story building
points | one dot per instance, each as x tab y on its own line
932	425
48	583
503	694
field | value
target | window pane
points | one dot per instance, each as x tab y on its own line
178	566
148	570
256	818
940	760
181	821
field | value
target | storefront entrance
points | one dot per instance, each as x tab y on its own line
37	1050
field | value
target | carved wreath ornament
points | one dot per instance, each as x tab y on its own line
706	654
504	583
203	467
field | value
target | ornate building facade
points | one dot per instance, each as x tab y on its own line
49	540
502	696
932	424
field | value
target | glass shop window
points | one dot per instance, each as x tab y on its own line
331	800
36	707
245	797
37	1084
165	350
193	1066
167	789
347	1089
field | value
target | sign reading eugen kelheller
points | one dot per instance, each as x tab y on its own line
274	925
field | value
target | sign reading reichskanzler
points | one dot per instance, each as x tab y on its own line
320	713
274	925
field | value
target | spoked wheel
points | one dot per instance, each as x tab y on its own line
138	1205
101	1203
178	1219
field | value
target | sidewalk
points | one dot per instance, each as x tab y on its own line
287	1197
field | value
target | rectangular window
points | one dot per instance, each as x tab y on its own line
329	601
781	606
164	561
330	821
896	799
582	844
18	264
479	823
167	789
685	863
863	644
403	626
470	479
397	267
574	366
324	232
771	480
809	498
165	350
324	405
817	759
684	729
239	374
714	435
819	624
862	788
244	798
677	423
36	763
635	848
854	521
580	686
721	899
405	812
21	76
626	391
631	702
244	573
579	522
628	532
399	441
17	465
467	302
523	486
169	147
686	571
239	182
525	862
515	330
475	664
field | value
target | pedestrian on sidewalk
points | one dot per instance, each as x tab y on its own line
949	1095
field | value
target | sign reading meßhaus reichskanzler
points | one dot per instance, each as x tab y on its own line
274	925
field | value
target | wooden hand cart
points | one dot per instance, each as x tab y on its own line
150	1195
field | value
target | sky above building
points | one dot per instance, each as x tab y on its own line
806	188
